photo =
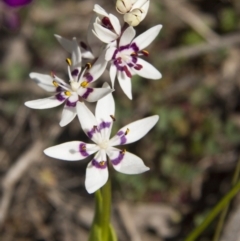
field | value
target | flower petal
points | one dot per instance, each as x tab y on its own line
144	39
93	94
18	3
68	114
104	113
72	47
44	81
99	10
115	23
147	71
125	84
143	5
113	73
98	67
126	162
97	172
134	131
104	34
45	103
71	151
88	121
127	36
109	53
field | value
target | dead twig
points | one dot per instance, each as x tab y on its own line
23	163
196	50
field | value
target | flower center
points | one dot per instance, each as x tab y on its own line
103	144
74	85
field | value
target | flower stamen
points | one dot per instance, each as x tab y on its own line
84	84
102	163
67	93
126	132
69	62
113	117
83	147
88	66
123	151
55	83
145	52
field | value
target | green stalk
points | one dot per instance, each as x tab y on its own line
95	232
225	210
214	212
106	210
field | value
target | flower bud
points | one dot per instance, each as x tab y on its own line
123	6
134	17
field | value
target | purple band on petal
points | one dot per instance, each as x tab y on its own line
71	104
87	93
60	97
114	54
89	77
104	125
122	136
134	47
92	132
118	159
75	72
82	150
59	89
97	165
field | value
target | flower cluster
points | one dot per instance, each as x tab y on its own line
120	51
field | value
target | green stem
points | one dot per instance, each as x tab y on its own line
214	212
225	210
95	232
106	209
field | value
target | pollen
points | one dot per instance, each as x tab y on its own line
88	65
134	54
126	132
69	62
67	93
113	117
102	163
55	83
84	84
83	147
145	52
123	151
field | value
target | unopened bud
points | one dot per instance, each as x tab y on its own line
134	17
123	6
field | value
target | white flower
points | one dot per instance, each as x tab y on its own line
78	87
106	26
125	61
134	11
98	129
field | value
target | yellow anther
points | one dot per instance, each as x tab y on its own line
133	54
123	151
84	84
88	65
55	83
102	163
145	52
67	93
113	117
69	62
127	131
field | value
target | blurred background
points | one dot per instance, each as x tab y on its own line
192	152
